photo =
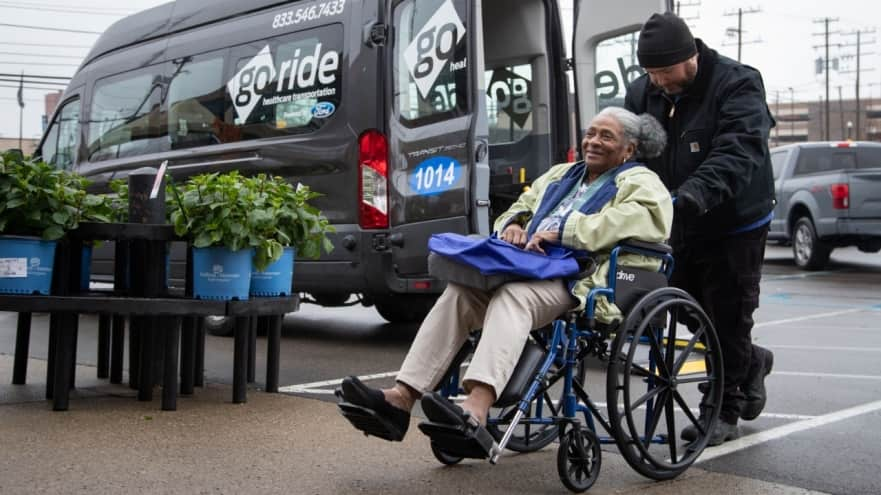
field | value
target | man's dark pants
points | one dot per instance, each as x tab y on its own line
724	275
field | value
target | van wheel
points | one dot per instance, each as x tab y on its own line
809	251
405	308
220	326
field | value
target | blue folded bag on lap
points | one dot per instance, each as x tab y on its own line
491	257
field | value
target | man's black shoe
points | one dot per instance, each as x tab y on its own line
754	385
720	434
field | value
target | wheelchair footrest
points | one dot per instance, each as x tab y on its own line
466	440
369	422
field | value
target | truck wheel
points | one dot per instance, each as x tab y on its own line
809	251
405	308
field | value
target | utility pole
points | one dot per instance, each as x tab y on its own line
841	111
777	113
739	30
858	71
688	18
826	33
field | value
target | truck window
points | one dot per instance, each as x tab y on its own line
822	160
196	102
60	146
509	103
124	118
869	157
286	85
778	160
430	61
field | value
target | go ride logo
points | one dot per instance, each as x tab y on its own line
434	47
303	71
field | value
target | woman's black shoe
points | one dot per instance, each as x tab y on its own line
368	411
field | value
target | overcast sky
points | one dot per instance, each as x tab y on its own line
778	40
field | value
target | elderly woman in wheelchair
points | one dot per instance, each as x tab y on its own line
592	206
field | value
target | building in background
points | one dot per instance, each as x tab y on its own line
10	143
50	102
806	121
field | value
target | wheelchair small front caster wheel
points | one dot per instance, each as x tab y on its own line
578	459
443	457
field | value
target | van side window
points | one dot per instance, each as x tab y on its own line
430	60
124	117
820	160
509	103
60	146
287	85
196	102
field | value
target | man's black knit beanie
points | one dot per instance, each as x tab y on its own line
665	40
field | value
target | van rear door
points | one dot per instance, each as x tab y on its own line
437	130
604	49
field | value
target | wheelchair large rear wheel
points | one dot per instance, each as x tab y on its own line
664	351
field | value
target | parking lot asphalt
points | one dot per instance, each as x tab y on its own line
110	443
818	435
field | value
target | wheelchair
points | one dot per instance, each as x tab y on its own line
663	368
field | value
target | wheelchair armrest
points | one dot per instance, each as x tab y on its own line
658	247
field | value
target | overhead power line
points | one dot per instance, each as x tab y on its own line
34	76
45	45
43	28
46	55
65	6
44	64
29	81
61	10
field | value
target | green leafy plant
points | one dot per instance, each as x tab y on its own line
36	199
292	221
263	213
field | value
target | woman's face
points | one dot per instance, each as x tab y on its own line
604	146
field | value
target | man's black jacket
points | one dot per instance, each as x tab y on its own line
717	151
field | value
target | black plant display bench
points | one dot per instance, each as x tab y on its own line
163	324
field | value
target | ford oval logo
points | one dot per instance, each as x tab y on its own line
323	109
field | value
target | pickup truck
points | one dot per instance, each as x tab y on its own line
828	196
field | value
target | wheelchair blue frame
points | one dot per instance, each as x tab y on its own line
565	337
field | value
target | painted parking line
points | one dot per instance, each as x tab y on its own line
785	430
823	348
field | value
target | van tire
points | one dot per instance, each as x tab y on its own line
809	251
220	326
405	308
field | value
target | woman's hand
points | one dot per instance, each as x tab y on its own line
534	243
514	234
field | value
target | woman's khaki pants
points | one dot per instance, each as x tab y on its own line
506	315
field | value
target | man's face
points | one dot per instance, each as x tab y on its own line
675	78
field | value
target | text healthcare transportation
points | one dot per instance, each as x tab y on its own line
410	116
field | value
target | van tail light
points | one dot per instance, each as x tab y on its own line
840	196
373	180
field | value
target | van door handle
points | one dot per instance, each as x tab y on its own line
482	203
480	150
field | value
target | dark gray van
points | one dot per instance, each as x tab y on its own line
410	116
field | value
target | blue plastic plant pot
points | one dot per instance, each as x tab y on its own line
26	265
221	274
277	279
86	267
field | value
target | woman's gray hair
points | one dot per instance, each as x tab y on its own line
644	131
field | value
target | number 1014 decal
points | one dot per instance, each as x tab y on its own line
435	175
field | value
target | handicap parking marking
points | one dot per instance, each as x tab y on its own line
748	441
811	317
